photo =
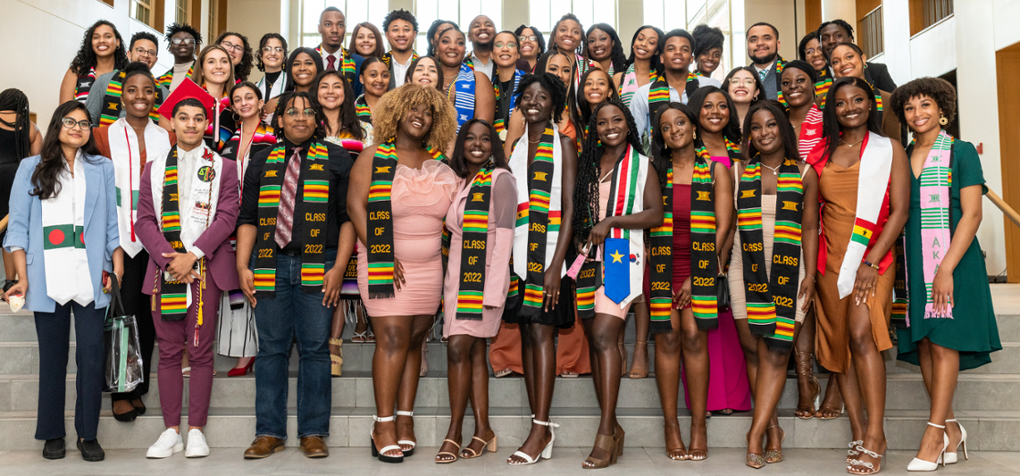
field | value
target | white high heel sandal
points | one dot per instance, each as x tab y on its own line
546	452
381	454
918	464
952	458
410	443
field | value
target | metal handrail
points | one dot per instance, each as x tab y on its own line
997	200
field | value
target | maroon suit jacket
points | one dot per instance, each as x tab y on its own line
214	242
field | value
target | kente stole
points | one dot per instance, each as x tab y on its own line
704	262
470	292
771	297
313	192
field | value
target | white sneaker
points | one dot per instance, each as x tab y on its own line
169	442
197	447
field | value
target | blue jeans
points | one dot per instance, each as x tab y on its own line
293	315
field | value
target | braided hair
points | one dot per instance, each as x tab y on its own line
587	202
831	128
15	100
619	60
654	62
86	59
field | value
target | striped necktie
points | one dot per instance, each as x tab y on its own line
762	73
285	213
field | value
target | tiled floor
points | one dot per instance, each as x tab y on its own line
636	461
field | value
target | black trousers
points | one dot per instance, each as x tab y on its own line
140	306
54	331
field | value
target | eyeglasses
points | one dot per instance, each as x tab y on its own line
738	82
272	49
69	123
186	41
527	38
810	51
508	44
293	112
142	51
230	46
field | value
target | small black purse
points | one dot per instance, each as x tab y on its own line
722	288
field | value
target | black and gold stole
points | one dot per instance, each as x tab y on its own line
704	261
661	261
471	291
771	300
540	180
173	296
314	193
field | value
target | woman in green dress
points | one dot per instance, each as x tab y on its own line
944	263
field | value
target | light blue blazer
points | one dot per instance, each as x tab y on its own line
102	237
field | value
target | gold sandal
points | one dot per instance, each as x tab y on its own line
606	443
447	453
336	361
489	446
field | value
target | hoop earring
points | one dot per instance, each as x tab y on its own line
943	120
237	118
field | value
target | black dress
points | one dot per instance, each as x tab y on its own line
9	161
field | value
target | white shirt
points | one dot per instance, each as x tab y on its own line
759	70
481	66
180	72
186	163
639	106
400	70
337	63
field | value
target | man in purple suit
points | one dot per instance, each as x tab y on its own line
187	209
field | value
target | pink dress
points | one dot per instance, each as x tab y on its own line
420	199
499	245
727	377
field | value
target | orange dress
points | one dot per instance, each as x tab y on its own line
838	188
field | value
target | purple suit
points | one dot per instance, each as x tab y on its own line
220	276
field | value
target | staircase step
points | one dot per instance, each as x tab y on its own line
349	427
904	392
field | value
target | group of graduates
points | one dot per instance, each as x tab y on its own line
783	203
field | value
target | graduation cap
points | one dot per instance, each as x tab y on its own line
188	89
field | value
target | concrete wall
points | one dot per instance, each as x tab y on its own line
966	42
786	15
254	18
46	36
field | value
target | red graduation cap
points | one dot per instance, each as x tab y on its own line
188	89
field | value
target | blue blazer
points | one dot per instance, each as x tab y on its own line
102	237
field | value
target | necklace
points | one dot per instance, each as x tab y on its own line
535	142
848	145
775	171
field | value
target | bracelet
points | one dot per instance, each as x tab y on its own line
812	278
870	264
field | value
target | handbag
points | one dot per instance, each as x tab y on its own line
123	363
722	289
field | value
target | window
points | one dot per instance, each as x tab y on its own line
149	12
355	11
870	33
545	13
671	14
925	13
214	25
182	12
460	12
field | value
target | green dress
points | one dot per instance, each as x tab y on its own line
972	330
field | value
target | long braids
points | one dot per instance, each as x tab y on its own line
587	202
15	100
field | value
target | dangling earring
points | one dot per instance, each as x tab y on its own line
695	134
943	120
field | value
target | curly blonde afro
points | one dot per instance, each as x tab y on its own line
394	105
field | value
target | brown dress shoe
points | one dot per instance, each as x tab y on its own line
314	447
263	446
